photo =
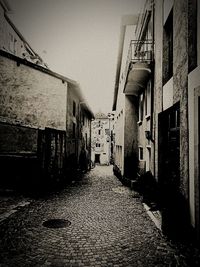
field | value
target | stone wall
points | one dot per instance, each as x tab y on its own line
30	97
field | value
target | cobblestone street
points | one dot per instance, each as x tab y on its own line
109	227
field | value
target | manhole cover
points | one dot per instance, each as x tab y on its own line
56	223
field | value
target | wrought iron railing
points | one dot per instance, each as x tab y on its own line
139	51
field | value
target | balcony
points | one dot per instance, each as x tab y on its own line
138	66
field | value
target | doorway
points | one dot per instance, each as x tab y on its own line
97	158
169	147
169	169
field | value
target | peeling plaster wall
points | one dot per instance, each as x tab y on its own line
30	97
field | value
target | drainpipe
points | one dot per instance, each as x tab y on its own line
153	77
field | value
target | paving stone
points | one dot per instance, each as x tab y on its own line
109	227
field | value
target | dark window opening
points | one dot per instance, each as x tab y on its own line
141	107
74	108
168	48
141	154
86	140
74	130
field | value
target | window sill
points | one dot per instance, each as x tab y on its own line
148	146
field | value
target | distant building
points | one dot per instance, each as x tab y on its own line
101	139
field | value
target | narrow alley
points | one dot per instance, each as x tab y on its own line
106	225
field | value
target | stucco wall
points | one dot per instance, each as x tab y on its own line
30	97
130	137
158	74
193	95
72	141
180	72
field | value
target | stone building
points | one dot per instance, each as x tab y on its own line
101	139
160	80
44	122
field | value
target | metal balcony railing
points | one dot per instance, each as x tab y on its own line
139	51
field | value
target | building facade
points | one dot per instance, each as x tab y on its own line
101	139
41	118
162	85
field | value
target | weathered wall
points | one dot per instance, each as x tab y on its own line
130	137
193	107
72	141
17	139
158	74
75	133
180	69
30	97
178	89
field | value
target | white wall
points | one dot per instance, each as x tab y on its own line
168	94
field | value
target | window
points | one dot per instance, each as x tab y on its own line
98	145
74	108
86	141
141	107
74	130
141	153
99	132
148	99
168	48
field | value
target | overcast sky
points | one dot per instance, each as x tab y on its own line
78	39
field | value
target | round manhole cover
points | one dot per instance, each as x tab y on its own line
56	223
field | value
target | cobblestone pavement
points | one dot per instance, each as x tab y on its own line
109	227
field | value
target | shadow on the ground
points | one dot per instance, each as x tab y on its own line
41	188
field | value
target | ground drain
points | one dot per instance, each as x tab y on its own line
56	223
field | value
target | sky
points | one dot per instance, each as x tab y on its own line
78	39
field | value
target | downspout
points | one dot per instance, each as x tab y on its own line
153	84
